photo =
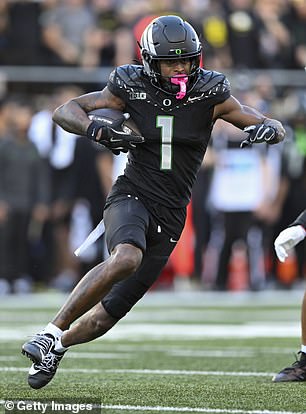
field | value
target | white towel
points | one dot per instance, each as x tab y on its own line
91	238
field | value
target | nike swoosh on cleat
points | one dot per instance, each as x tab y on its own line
32	370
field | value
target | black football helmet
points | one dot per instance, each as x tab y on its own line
169	37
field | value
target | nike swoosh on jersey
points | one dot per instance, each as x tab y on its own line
173	240
195	98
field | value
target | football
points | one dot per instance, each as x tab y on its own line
110	117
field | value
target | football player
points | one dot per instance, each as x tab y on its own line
175	104
284	242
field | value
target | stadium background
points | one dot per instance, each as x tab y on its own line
51	50
177	351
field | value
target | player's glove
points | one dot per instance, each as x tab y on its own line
270	131
114	137
287	239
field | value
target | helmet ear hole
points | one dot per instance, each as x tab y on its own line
146	56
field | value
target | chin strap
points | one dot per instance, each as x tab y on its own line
180	80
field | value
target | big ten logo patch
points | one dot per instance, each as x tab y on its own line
134	95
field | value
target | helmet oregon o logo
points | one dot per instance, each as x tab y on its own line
178	51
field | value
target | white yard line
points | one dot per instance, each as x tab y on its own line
51	300
151	372
189	372
173	409
194	410
99	355
9	358
192	331
189	353
141	331
173	315
204	353
173	349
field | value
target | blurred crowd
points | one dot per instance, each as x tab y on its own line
53	184
91	33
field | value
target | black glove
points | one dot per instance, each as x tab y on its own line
270	131
114	137
259	133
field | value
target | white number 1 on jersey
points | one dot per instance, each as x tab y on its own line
166	125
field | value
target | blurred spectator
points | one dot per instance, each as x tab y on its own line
263	94
275	41
100	40
7	109
212	23
129	12
4	31
297	29
77	198
23	200
201	215
20	33
65	27
240	185
243	34
91	191
133	16
57	147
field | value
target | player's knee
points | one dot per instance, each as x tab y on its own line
127	259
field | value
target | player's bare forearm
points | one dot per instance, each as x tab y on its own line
72	115
250	116
247	116
72	118
237	114
243	116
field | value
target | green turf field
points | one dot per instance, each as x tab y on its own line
175	353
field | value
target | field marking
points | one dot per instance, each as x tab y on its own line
99	355
198	353
178	409
194	410
134	332
9	358
156	299
246	330
174	315
190	372
169	349
174	353
151	371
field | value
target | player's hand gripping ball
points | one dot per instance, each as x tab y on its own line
119	133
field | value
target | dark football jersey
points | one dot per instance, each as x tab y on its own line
176	132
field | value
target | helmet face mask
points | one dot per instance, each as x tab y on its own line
169	38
